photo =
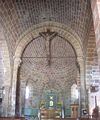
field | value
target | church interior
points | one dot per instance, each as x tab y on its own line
50	59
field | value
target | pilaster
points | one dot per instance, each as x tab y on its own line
17	62
6	100
82	87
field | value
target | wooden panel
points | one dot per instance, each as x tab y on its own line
12	118
66	119
48	114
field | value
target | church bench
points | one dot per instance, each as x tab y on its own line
75	119
66	119
12	118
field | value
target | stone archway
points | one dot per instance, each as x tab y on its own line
64	31
33	33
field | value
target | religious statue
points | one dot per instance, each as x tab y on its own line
48	36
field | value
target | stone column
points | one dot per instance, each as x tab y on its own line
22	98
17	62
79	89
82	87
6	100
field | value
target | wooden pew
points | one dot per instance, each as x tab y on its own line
67	119
12	118
85	119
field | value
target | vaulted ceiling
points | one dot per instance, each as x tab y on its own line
17	16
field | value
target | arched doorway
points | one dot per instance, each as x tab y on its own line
74	44
41	75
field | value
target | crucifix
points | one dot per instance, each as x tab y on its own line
48	36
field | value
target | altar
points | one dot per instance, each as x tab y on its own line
50	113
